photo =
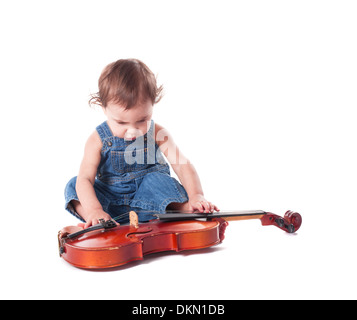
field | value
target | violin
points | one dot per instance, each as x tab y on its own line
108	245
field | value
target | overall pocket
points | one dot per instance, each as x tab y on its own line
129	160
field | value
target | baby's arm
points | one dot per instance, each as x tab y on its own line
89	207
185	171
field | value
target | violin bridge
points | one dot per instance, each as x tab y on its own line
134	221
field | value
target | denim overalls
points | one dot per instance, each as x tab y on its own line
132	175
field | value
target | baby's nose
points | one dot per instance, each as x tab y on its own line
132	133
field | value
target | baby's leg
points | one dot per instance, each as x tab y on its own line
74	206
158	191
77	207
177	206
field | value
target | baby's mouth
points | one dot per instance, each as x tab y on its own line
129	138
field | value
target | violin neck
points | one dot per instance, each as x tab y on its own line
226	215
290	223
242	215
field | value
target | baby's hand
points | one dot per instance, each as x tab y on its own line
94	217
198	203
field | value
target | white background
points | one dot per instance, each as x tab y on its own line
260	95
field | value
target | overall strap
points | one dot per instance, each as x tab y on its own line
104	131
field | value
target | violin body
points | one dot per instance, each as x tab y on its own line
122	244
115	245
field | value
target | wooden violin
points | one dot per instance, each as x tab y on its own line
108	244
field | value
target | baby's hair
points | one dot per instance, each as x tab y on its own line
126	82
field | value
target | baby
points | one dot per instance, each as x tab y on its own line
123	167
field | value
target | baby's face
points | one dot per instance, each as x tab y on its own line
129	124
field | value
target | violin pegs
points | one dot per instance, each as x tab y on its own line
280	222
285	225
290	228
290	223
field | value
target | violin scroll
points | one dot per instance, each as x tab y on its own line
293	218
290	223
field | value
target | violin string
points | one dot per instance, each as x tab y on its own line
120	216
147	211
167	211
128	212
